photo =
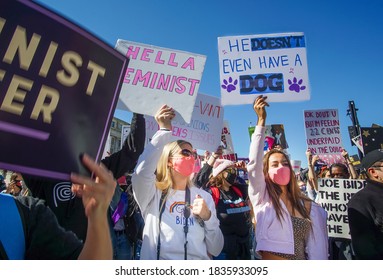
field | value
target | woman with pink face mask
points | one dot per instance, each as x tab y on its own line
290	226
180	219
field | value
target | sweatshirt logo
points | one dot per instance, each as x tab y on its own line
178	208
62	192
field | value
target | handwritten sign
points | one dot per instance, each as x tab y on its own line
158	76
204	129
59	87
323	134
227	143
333	195
274	65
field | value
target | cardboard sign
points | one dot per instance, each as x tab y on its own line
59	86
204	129
274	65
323	134
333	195
158	76
227	143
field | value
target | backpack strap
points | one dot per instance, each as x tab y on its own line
12	236
215	194
237	191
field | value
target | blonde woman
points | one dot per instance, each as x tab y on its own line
289	225
180	219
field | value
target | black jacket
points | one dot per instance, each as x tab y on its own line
45	239
69	209
365	215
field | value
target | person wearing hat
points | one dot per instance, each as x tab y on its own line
231	204
365	210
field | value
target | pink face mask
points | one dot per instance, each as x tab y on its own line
280	175
184	165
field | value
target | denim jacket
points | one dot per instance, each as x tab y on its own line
271	234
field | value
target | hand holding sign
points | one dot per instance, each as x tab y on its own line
164	117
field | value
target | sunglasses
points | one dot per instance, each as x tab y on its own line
231	170
188	153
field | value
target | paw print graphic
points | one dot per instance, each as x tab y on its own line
295	85
229	85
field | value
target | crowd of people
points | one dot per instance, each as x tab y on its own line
150	202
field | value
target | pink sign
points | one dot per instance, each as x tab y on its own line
323	134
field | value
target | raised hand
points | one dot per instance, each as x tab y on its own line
259	108
164	117
96	193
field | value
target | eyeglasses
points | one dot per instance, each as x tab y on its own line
376	166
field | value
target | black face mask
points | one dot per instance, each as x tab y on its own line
231	178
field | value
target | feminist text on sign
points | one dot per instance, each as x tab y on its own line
59	87
274	65
158	76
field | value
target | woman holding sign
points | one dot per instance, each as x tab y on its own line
180	219
289	225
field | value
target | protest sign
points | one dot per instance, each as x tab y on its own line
204	129
251	130
274	135
107	147
372	138
274	65
323	134
296	165
334	194
59	87
227	143
357	140
125	130
158	76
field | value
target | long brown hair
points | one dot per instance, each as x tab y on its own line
294	194
217	181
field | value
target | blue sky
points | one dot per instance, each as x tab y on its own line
343	40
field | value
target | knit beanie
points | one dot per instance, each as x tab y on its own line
220	165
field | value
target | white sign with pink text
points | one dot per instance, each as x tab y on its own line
204	129
323	134
156	76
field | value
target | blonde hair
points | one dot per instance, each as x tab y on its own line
164	179
294	193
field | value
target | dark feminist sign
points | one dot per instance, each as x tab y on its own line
59	86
